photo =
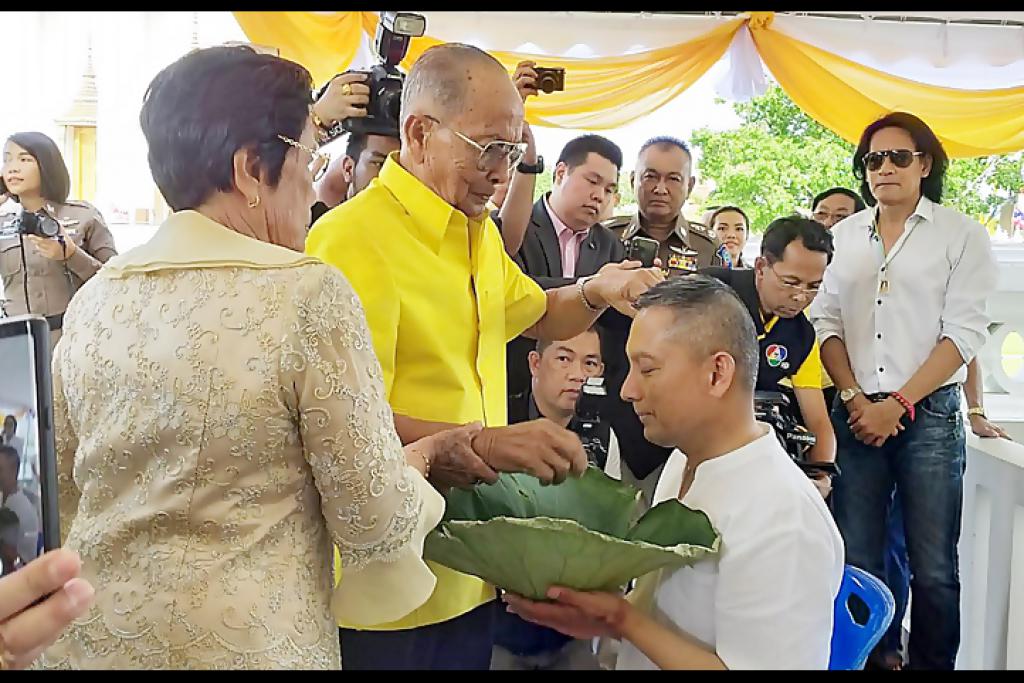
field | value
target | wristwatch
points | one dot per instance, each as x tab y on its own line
977	411
531	169
846	395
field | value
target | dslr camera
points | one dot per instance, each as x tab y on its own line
774	408
36	223
550	79
395	30
588	420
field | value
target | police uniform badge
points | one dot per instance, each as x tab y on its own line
70	226
681	261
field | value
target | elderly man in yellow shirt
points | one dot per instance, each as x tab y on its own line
442	299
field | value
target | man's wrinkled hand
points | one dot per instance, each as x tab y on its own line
619	285
539	448
454	462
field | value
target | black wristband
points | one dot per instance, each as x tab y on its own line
534	169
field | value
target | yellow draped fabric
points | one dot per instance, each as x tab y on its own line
845	97
600	93
608	92
324	43
612	91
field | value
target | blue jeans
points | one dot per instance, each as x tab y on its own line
926	464
897	576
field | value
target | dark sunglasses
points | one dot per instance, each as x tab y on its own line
901	158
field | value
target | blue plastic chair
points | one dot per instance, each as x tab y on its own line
852	641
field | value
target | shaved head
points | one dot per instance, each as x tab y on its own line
441	79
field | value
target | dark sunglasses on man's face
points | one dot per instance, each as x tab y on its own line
901	158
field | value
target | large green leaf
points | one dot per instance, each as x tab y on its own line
524	537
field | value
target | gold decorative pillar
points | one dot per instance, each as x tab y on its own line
79	123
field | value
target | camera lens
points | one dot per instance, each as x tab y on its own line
48	227
391	101
546	83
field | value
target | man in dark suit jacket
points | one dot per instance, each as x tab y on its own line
564	240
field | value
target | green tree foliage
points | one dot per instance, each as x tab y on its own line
779	158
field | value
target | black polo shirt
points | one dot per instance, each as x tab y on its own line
788	347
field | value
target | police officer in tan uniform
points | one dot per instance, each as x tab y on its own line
662	182
35	176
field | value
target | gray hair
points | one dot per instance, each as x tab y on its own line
710	317
439	74
664	142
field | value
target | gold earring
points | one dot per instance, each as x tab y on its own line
255	202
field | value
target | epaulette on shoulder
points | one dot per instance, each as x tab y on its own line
616	222
701	230
79	203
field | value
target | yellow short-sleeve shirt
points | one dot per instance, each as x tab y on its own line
442	299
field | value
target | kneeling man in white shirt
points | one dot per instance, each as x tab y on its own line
766	600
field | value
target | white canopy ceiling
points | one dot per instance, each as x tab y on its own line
973	50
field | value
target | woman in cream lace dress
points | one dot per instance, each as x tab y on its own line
219	412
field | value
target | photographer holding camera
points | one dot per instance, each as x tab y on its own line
558	372
365	150
784	280
512	203
365	104
53	245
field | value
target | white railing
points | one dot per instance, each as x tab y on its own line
1006	308
992	531
992	556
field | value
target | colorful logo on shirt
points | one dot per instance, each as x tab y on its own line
776	354
725	256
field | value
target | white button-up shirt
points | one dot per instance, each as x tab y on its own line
940	274
766	600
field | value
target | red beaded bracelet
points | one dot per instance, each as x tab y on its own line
907	405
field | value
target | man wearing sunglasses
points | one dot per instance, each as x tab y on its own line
442	298
784	280
900	314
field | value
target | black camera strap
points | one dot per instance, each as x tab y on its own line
55	321
24	272
67	271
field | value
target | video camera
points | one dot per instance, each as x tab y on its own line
36	223
774	408
588	420
394	33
